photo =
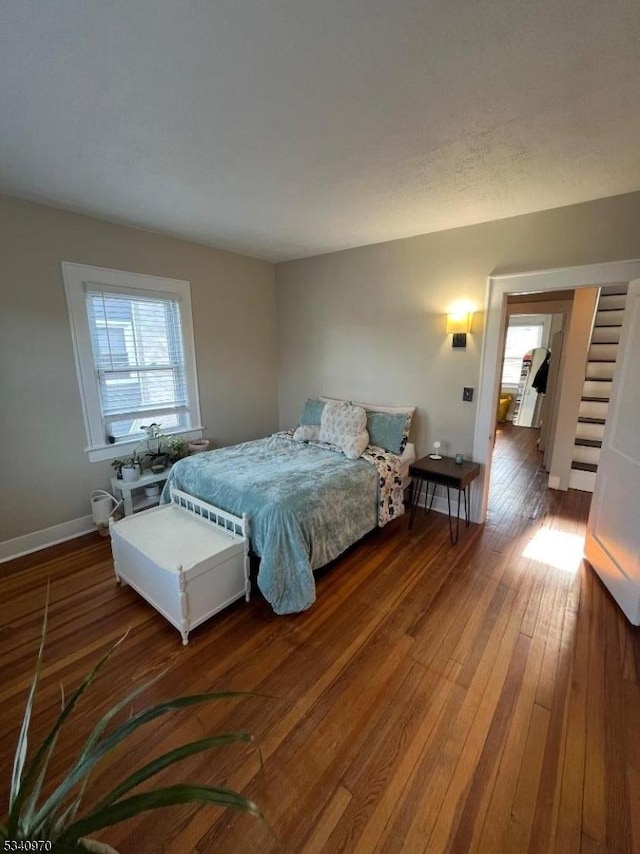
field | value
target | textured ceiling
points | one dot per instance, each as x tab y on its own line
286	128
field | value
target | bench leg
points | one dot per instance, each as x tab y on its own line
184	622
119	579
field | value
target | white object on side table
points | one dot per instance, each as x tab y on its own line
188	559
436	451
133	493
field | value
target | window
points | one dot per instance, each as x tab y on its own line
521	337
133	343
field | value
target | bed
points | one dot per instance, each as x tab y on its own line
306	503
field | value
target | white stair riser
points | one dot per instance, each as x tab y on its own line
585	454
593	409
589	431
605	335
604	346
594	389
583	480
603	351
612	301
609	318
600	370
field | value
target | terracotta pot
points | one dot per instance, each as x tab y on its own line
199	445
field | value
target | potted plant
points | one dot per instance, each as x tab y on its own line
131	467
176	448
155	453
57	817
117	465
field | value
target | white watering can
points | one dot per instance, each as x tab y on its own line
103	504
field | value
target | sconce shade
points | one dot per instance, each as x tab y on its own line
457	323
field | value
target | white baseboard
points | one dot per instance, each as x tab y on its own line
10	549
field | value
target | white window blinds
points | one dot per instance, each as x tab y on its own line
139	361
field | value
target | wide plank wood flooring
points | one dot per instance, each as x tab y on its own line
482	697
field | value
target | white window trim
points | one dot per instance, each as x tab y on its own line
76	277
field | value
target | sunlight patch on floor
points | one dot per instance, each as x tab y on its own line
556	548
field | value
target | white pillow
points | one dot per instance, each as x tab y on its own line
307	433
345	425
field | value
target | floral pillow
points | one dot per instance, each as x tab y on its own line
355	446
388	426
345	425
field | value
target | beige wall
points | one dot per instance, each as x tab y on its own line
366	324
46	478
369	323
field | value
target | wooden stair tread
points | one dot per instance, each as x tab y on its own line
595	399
589	443
583	419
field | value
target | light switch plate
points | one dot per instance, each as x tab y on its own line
467	393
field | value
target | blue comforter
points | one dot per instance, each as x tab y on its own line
306	505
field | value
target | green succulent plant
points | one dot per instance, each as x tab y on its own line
56	817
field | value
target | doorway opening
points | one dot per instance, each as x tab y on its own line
580	280
533	334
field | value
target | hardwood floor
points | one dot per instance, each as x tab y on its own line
482	697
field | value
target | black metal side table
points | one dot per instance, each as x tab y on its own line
443	472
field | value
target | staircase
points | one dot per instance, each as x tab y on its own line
594	405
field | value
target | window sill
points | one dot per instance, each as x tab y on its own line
100	453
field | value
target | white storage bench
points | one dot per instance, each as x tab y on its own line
188	559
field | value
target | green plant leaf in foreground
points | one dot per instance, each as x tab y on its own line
17	788
84	766
55	820
26	817
168	759
172	795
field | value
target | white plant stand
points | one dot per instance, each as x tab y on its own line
188	559
132	491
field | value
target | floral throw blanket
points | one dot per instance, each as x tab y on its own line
390	491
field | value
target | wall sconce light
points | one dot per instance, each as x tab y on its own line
458	324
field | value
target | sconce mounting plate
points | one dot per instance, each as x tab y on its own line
459	339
